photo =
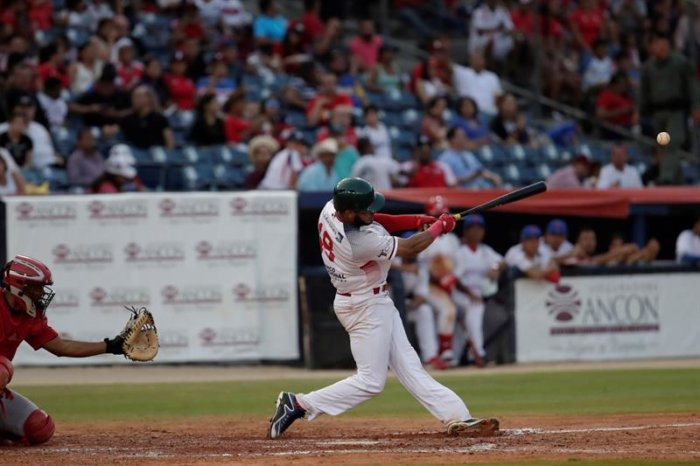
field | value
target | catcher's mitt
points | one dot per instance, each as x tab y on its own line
140	337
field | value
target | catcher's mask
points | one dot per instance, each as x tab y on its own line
27	281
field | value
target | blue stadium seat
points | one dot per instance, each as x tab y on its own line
399	101
405	138
529	175
64	139
32	175
57	178
143	155
511	174
411	119
181	120
177	179
402	154
205	178
391	118
549	152
152	175
210	154
296	119
544	171
233	178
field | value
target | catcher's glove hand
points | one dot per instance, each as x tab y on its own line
139	339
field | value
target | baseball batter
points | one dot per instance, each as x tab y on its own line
25	297
357	248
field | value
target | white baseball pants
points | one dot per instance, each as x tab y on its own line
426	331
378	342
473	320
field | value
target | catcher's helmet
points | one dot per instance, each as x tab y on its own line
28	281
436	206
358	195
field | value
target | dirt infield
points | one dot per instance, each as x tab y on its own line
363	441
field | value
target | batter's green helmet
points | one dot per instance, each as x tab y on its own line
358	195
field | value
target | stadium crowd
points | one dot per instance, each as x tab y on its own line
108	96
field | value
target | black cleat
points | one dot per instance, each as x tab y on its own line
287	411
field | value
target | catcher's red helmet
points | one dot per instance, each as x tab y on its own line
436	206
27	281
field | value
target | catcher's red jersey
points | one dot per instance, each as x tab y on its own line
16	328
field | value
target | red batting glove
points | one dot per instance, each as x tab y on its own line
422	221
448	223
448	282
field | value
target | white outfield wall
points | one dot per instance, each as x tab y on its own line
218	270
608	317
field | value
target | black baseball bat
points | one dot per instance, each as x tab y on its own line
507	198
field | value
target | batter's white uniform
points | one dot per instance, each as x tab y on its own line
416	284
473	267
358	260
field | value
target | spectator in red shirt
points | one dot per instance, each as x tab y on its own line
40	14
341	121
313	24
129	69
425	172
587	22
319	108
180	87
51	66
365	46
237	126
616	105
190	25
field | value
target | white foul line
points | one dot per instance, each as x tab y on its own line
533	430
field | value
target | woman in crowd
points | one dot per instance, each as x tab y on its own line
467	118
208	127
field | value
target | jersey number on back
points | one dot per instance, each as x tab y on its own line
326	242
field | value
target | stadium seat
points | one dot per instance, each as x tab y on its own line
296	119
64	140
181	120
144	155
152	175
402	154
544	171
410	118
391	118
511	173
57	178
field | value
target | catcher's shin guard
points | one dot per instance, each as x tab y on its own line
38	428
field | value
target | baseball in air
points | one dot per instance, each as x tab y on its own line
663	138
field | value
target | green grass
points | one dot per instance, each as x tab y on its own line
577	393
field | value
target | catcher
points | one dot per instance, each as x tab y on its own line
25	296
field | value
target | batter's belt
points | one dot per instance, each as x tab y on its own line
375	290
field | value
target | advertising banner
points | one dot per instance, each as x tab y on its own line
217	270
608	317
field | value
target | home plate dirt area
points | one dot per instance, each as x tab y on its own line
364	441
